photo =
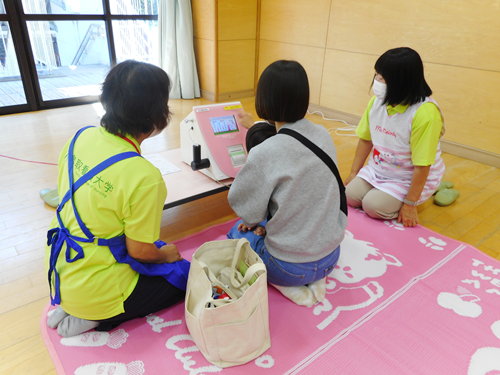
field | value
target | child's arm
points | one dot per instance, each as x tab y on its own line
245	119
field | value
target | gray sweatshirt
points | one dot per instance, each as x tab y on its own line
285	179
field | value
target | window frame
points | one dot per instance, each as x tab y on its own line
17	20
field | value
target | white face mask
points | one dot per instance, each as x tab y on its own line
379	89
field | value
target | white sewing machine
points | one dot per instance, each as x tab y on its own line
212	141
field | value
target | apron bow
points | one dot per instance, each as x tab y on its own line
56	238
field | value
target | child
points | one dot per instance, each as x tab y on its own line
400	129
258	133
285	182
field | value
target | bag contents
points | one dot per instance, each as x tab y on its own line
225	278
243	270
218	292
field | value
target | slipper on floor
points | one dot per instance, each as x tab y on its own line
446	197
51	197
443	185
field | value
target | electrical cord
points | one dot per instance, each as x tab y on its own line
222	183
26	161
349	128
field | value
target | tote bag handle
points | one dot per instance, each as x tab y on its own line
252	270
216	281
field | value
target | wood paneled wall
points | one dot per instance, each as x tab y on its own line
338	42
225	33
205	45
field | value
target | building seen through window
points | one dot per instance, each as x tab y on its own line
72	55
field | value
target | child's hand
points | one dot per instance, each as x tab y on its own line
244	228
245	119
260	231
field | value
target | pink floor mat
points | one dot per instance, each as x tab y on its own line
400	301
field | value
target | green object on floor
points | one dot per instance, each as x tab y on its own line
446	197
51	197
443	185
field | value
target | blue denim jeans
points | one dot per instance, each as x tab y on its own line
284	273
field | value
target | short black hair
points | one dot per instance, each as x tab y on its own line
135	98
403	72
258	133
282	92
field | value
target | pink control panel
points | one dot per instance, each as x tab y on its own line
224	136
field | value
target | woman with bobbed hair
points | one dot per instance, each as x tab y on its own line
285	182
104	267
400	134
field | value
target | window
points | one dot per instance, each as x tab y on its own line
73	44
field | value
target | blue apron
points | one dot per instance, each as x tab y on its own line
175	273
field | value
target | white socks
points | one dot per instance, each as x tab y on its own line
319	289
305	295
68	325
301	295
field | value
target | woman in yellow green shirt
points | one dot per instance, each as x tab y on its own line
104	232
400	132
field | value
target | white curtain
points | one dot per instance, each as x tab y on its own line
176	51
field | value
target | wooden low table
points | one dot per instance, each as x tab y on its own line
188	185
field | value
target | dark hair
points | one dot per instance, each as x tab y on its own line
135	97
403	72
258	133
282	92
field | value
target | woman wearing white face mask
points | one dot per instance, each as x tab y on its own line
400	132
105	265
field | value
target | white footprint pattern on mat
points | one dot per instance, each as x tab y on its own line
187	360
265	361
434	243
373	290
360	260
463	303
487	359
394	224
111	368
158	323
93	338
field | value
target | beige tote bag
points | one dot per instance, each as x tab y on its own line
228	332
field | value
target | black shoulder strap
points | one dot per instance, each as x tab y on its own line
326	159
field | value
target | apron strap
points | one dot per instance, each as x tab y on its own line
86	177
57	237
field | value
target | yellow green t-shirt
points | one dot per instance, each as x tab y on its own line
126	198
426	129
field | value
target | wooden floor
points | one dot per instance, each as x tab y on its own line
474	218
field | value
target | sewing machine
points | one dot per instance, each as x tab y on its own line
212	141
